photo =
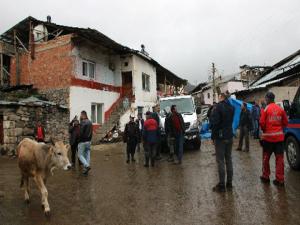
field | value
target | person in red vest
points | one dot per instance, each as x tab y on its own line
272	121
39	132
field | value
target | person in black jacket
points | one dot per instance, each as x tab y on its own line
170	134
84	145
131	137
210	110
177	128
222	134
245	127
74	131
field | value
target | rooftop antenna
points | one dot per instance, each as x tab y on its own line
48	19
143	51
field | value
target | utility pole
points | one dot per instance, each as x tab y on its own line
214	82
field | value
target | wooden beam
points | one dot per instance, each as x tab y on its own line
1	67
17	59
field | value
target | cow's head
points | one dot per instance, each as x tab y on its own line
60	155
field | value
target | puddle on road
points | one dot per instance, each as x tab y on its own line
118	193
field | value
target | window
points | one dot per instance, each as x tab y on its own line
208	95
96	113
38	36
88	69
146	82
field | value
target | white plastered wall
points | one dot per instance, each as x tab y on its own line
102	60
82	99
145	99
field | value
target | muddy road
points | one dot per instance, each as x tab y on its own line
118	193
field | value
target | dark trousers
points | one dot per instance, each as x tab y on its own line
223	156
74	149
158	145
150	152
268	149
179	139
131	146
244	134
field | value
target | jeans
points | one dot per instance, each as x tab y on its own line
223	155
84	151
171	144
179	145
244	133
255	124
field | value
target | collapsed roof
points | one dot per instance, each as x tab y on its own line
284	69
22	30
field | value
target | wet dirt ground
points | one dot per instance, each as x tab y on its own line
118	193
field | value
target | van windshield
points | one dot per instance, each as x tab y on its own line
183	105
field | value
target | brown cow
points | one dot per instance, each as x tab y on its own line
38	160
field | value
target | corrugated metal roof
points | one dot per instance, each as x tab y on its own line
33	101
280	69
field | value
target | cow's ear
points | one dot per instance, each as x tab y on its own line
68	146
51	150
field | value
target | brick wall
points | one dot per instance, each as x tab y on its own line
52	67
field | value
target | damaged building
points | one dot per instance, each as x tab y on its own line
283	79
83	69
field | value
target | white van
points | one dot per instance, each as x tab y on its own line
186	106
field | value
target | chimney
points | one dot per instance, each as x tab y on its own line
48	19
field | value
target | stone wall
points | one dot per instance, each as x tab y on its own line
60	96
19	122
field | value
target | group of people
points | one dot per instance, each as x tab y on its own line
249	124
81	133
270	120
148	132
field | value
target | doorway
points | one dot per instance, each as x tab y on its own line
127	84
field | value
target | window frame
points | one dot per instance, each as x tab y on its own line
146	82
88	70
95	118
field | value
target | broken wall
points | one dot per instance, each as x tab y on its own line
52	66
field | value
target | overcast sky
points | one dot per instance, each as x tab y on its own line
184	36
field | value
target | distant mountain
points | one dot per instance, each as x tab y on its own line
189	87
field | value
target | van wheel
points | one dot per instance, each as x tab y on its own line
292	152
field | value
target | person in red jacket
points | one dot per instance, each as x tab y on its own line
272	121
150	139
39	132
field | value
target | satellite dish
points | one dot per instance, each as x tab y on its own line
40	33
